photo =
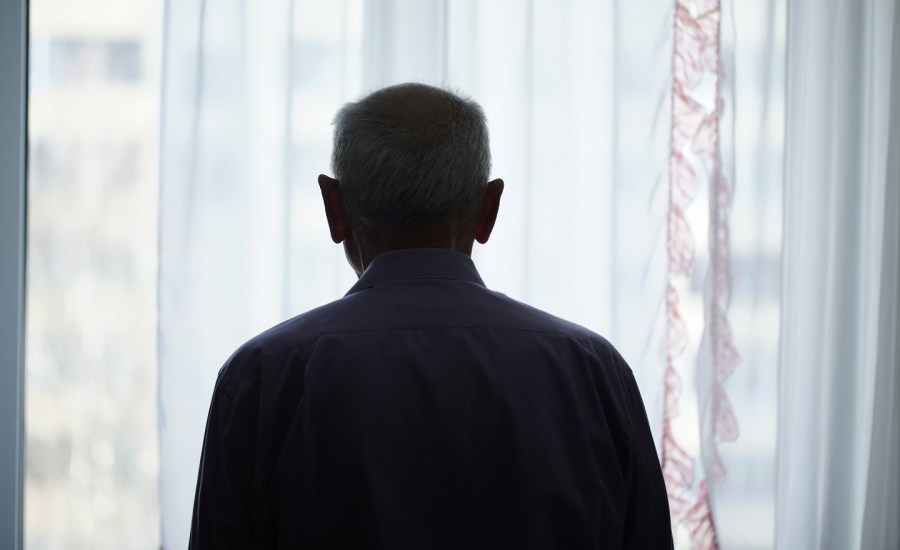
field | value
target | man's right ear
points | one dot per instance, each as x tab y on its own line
488	215
334	208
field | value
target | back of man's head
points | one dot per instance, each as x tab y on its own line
411	154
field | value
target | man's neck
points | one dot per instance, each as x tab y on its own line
367	244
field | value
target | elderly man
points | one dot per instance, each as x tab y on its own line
423	410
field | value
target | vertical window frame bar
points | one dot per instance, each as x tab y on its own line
13	165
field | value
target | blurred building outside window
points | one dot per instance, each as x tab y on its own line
91	458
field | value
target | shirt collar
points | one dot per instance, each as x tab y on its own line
417	263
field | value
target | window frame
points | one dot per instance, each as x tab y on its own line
13	161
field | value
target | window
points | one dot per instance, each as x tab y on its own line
578	131
91	459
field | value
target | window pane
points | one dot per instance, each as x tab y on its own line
91	450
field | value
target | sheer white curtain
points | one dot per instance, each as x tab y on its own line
223	219
578	99
838	429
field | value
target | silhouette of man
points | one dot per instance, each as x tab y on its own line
422	410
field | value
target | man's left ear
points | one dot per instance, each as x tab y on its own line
488	215
334	208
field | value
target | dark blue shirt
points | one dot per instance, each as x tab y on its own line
424	411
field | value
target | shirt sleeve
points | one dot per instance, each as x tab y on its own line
647	522
223	512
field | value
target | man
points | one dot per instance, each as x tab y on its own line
423	410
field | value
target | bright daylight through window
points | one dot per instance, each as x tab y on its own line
139	286
91	458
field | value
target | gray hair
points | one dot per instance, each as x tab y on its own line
411	154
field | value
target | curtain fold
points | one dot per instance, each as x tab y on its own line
880	526
221	217
837	442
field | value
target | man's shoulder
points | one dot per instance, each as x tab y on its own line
292	336
297	330
381	309
532	318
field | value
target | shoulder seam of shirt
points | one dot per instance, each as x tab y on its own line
230	390
622	371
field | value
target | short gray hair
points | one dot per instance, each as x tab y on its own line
411	154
